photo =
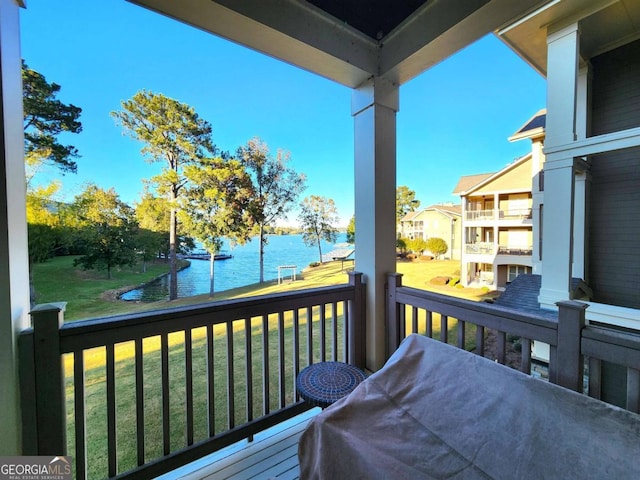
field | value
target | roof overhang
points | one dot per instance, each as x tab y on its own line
604	25
305	35
498	174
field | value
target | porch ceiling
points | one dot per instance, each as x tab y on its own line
349	41
606	24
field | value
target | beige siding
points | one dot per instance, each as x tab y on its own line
516	179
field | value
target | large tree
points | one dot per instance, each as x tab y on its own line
318	216
45	118
276	187
108	226
405	202
215	205
172	134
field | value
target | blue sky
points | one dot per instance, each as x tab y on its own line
454	119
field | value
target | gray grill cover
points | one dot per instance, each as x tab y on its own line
435	411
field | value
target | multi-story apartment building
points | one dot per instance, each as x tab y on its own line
437	221
501	216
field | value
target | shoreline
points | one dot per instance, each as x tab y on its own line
114	295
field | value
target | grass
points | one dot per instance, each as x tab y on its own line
88	295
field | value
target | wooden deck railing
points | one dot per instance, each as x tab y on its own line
410	310
139	395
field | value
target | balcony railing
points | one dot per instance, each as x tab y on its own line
140	395
502	214
169	387
522	251
410	310
480	248
473	215
515	214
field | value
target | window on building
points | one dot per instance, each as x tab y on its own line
515	270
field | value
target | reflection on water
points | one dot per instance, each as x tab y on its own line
242	269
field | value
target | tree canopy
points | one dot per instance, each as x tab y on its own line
173	134
318	216
351	230
275	187
405	202
216	204
108	229
45	118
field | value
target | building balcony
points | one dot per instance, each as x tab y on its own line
489	217
157	391
480	248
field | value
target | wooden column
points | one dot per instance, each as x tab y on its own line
559	171
14	262
49	379
374	105
357	323
394	316
569	361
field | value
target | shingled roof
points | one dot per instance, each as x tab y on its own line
534	127
522	294
468	181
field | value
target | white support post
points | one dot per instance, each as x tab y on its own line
579	226
562	86
14	264
537	201
464	273
559	176
582	179
374	106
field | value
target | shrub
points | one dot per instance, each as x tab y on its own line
417	245
436	246
401	244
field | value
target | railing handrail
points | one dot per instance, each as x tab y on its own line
85	334
569	337
516	212
514	321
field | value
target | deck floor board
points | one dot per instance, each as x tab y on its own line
271	454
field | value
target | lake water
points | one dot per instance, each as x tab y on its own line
242	269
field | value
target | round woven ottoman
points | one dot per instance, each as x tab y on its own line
321	384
